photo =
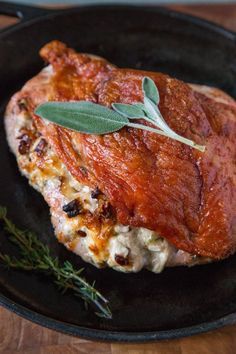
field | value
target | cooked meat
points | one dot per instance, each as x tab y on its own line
177	204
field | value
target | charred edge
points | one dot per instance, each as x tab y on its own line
96	193
22	104
106	211
73	208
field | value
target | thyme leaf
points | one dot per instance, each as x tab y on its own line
35	256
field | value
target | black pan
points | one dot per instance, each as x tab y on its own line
146	306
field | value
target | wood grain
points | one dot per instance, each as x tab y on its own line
20	336
221	14
7	21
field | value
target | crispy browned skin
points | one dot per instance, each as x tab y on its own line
186	196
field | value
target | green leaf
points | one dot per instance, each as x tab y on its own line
82	116
150	107
154	114
3	212
35	256
91	118
128	110
156	117
139	105
150	90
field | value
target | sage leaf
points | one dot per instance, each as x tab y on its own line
155	115
150	90
139	105
91	118
128	110
85	117
151	110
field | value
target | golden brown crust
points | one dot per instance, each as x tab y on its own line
152	181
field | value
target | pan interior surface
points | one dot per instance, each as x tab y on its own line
135	37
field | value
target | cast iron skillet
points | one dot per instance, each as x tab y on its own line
180	301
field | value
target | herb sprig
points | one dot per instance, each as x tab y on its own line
90	118
36	256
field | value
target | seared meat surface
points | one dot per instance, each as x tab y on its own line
150	181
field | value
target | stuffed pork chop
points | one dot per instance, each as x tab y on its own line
129	199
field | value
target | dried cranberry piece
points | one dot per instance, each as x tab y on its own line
24	145
40	148
123	261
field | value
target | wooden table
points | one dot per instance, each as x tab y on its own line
23	337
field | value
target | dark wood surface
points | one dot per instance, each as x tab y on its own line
20	336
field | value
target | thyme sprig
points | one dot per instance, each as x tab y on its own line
35	256
90	118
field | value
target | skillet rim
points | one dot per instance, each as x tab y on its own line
113	336
37	14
